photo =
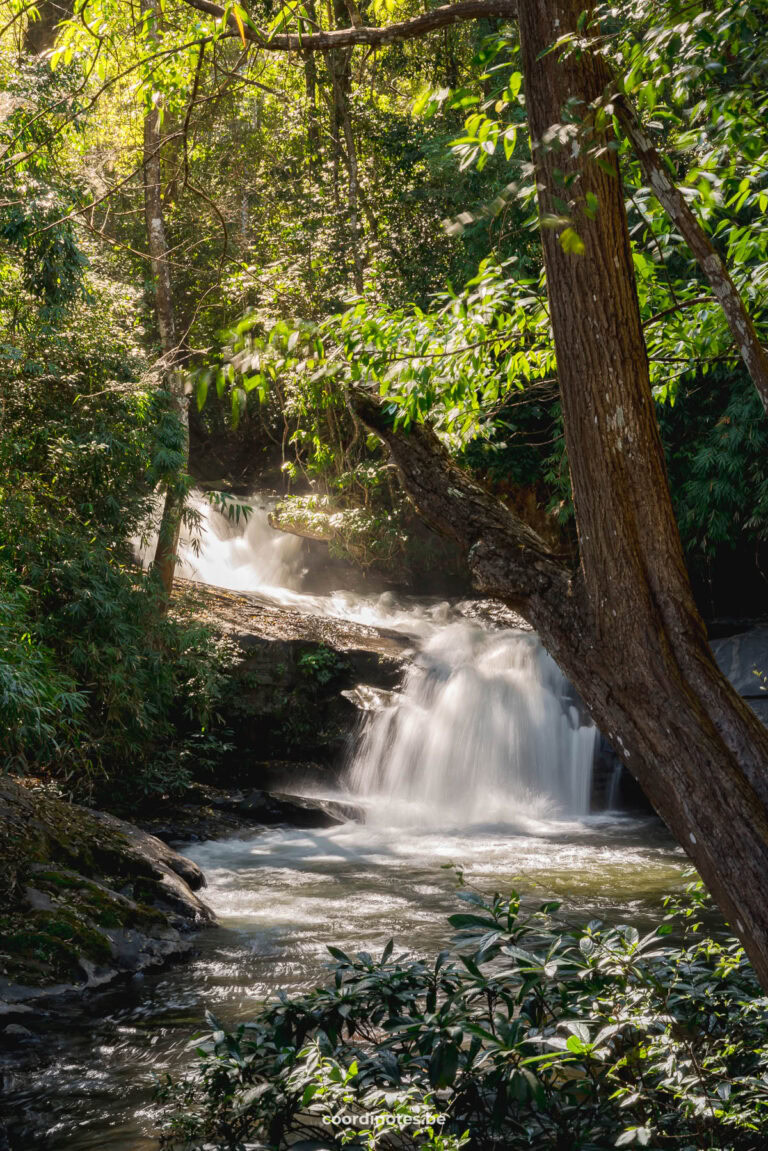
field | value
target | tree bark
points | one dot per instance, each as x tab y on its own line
624	627
338	66
353	178
164	565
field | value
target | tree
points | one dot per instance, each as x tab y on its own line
624	627
173	378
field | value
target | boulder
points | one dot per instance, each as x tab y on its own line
287	699
744	659
295	810
85	897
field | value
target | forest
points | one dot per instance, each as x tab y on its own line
383	575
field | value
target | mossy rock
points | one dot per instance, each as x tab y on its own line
84	895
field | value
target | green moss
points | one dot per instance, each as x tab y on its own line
46	946
76	860
94	902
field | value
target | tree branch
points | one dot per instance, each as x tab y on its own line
506	557
707	257
377	37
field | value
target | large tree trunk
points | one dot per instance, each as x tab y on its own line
625	627
173	505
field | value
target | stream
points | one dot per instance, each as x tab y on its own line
483	760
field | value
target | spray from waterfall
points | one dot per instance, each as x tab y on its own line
241	554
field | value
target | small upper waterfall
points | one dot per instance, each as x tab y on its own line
482	730
245	555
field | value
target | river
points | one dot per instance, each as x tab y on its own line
482	760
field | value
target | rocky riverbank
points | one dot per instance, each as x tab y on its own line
292	694
88	898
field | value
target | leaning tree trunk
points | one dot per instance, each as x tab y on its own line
645	667
173	505
625	628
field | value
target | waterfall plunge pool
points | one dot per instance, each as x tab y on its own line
281	896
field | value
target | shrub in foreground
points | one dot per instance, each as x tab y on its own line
521	1034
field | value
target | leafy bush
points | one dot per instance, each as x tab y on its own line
522	1034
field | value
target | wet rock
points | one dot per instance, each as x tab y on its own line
367	698
38	900
85	898
744	659
17	1031
294	810
287	696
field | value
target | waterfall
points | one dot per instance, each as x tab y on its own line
483	730
485	727
244	555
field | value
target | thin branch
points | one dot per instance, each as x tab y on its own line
710	262
678	307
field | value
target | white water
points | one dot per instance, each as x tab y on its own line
484	725
483	729
244	556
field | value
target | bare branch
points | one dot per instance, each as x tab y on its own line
441	17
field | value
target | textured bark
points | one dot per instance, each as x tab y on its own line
157	244
704	251
353	180
624	627
338	65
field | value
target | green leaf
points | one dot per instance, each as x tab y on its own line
572	243
202	389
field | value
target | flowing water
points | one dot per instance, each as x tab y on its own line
482	760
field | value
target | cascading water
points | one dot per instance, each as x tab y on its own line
484	725
243	554
483	728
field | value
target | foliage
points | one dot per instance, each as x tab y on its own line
521	1032
282	179
97	689
322	665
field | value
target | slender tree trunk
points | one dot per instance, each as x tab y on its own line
353	182
625	627
157	243
704	251
310	90
338	65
